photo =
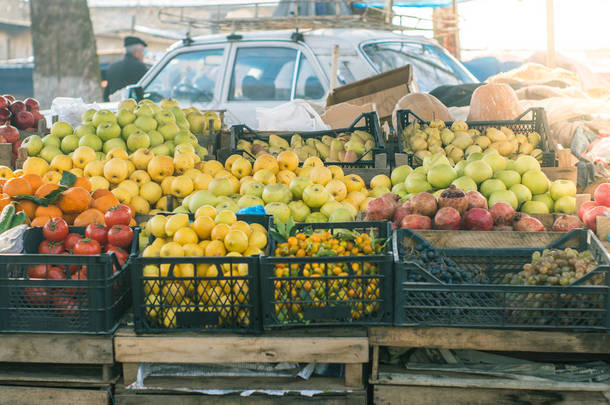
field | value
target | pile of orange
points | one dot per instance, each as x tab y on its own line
77	205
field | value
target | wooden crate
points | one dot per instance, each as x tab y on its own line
367	173
25	395
561	173
6	154
346	346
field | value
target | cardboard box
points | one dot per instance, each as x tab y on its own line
343	115
382	90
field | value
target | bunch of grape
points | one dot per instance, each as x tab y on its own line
438	265
555	267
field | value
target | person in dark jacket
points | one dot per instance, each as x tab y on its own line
128	70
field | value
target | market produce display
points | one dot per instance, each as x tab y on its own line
344	147
135	126
200	286
599	207
458	141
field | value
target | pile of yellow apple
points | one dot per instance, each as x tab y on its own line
212	233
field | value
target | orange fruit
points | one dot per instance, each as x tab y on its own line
45	189
17	186
82	182
70	218
34	180
50	211
28	207
40	221
105	202
100	192
74	200
4	200
89	216
132	222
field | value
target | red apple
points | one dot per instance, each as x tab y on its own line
4	103
31	104
16	146
37	117
24	120
9	97
16	107
9	133
5	115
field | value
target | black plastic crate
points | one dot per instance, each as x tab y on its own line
361	293
227	301
494	304
94	305
519	125
371	126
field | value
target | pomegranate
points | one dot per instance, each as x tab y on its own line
447	218
592	213
476	200
400	213
584	207
525	223
382	208
478	219
601	195
423	203
566	223
502	228
455	198
416	221
502	213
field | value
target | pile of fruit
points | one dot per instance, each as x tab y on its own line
345	147
135	126
17	115
520	183
205	287
302	286
599	207
458	141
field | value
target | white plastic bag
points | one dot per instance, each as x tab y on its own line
11	241
70	110
297	115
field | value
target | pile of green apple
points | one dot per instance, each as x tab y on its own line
520	182
143	125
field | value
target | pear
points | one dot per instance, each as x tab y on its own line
296	141
433	132
364	136
418	144
355	146
447	136
437	124
310	150
323	150
526	148
368	145
473	149
422	154
278	142
474	132
507	131
326	140
521	139
350	156
495	135
342	156
459	126
310	142
301	153
483	142
534	138
335	147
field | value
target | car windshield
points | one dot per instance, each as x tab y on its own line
432	67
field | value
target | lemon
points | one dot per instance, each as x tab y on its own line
175	222
215	248
185	236
242	226
192	249
225	217
172	249
151	251
203	226
258	227
258	240
206	210
220	231
156	225
236	241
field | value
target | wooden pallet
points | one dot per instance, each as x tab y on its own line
346	346
27	395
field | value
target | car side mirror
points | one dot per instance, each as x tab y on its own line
136	92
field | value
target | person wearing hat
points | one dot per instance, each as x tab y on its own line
128	70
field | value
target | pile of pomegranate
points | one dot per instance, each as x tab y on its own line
600	206
456	209
16	115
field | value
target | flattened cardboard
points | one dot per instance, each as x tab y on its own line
343	115
383	90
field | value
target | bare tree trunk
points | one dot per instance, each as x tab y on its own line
65	54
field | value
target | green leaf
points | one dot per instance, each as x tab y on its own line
49	199
67	179
278	237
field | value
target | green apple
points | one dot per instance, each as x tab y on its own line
465	183
185	136
138	140
330	206
276	192
298	210
114	143
399	174
526	163
196	122
183	124
341	215
91	141
280	211
315	195
417	182
61	129
379	191
168	103
254	188
316	217
51	140
101	156
506	196
164	117
523	193
108	130
128	104
399	188
473	157
479	171
180	210
440	176
459	167
435	160
33	144
102	116
562	188
545	198
144	110
161	150
125	117
155	138
146	123
87	116
69	143
178	113
84	129
510	164
508	177
248	200
128	130
49	152
221	186
297	185
534	207
171	146
536	181
201	151
169	130
496	161
565	204
200	198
